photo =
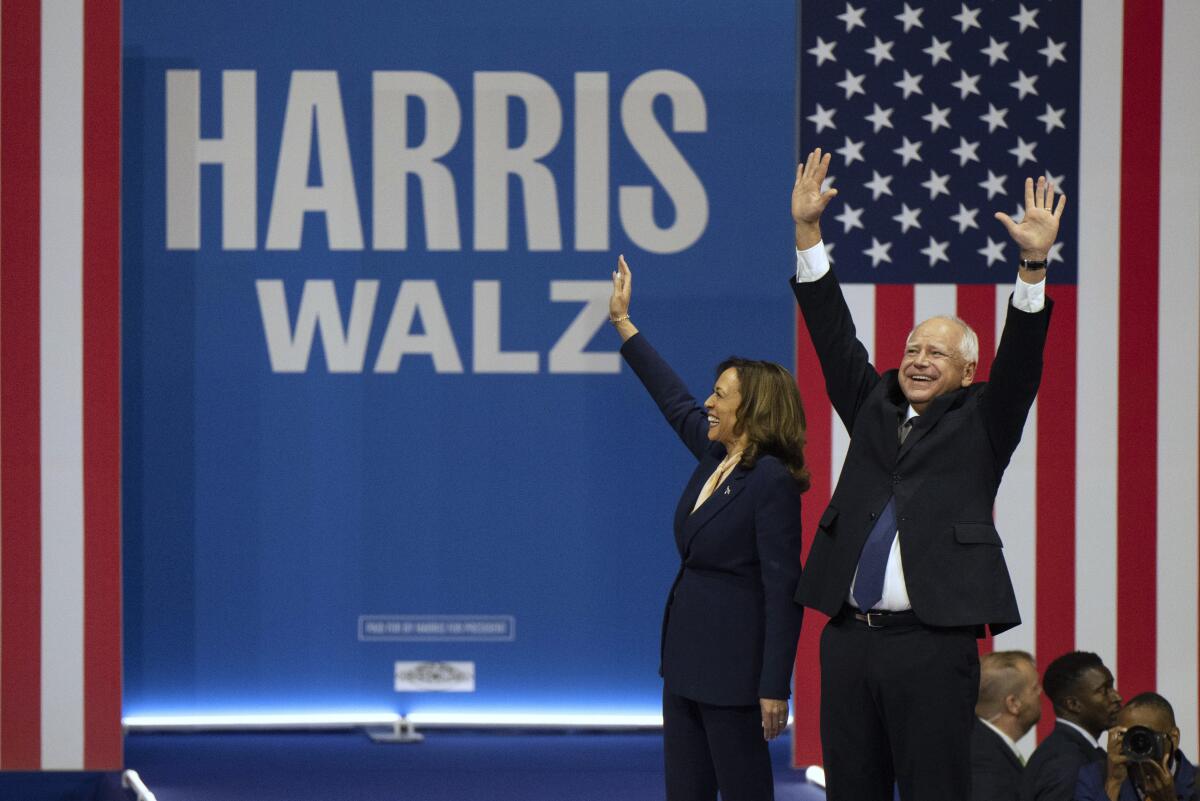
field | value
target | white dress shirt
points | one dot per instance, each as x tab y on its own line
811	265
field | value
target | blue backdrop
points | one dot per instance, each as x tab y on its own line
366	368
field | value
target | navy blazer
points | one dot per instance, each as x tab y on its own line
995	769
944	477
1090	784
1052	771
730	627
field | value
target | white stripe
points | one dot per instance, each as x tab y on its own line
934	300
1097	203
1179	368
860	298
1016	518
62	384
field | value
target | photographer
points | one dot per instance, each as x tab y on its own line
1144	760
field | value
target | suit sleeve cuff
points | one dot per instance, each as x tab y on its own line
1029	297
811	263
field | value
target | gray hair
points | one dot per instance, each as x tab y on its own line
968	346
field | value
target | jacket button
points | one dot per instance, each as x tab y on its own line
873	515
895	478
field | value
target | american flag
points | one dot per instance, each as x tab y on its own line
935	113
60	576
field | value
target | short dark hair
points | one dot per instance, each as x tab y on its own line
1155	701
1063	674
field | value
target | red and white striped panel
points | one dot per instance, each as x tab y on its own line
1100	507
60	591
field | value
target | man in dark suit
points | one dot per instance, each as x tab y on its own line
1160	773
906	560
1010	703
1085	704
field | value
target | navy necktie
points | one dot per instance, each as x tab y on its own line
872	562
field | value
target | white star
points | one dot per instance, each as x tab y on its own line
879	185
880	118
1053	118
994	184
966	84
850	217
823	51
827	184
829	246
1023	151
1055	253
911	18
881	50
1053	51
909	151
823	118
938	51
1025	18
965	151
852	84
937	117
1024	84
1056	181
968	18
994	51
936	251
852	17
910	84
1019	214
993	252
995	118
965	218
851	151
936	184
878	252
907	218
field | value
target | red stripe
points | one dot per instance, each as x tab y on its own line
1137	350
1055	571
806	732
102	386
977	305
893	323
20	398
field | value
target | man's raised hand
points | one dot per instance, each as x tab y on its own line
808	201
1039	227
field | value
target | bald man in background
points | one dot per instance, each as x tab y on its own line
1010	703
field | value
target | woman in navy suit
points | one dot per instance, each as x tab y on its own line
730	627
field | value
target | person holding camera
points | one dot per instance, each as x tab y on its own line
1144	761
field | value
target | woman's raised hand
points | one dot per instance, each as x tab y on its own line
618	304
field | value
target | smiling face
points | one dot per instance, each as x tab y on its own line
933	363
722	406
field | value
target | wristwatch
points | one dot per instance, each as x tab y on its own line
1030	264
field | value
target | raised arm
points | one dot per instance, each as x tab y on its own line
678	406
1017	370
849	376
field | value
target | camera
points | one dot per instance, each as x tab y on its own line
1143	744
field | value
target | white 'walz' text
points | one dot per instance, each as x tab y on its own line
314	112
290	339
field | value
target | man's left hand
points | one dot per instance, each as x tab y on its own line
1155	779
774	716
1039	227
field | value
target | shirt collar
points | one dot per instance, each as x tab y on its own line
1008	740
1086	734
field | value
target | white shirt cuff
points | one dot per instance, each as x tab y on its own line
812	263
1029	297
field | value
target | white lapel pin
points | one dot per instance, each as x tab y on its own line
727	490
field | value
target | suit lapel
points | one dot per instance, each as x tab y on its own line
726	491
924	423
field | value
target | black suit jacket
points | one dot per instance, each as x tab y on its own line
944	478
995	769
1052	771
730	627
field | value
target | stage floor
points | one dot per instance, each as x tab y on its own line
448	766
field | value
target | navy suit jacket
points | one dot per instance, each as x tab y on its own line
995	769
1051	772
1090	784
944	477
730	627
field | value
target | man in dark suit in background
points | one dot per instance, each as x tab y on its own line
1010	703
1085	704
906	560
